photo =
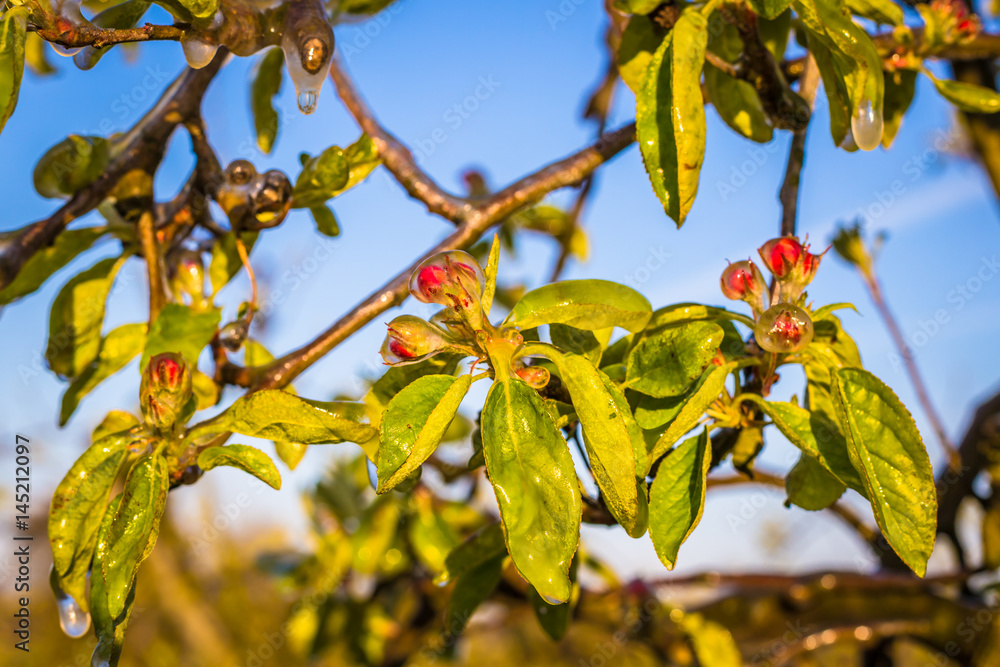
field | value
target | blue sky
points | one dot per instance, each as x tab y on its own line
413	65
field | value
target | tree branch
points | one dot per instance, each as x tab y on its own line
789	194
473	219
142	148
88	34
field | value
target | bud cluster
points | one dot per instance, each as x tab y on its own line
455	280
782	325
953	22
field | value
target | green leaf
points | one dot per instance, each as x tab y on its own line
183	330
684	313
769	9
815	436
880	11
738	105
430	534
670	115
74	515
77	316
326	221
713	644
110	631
585	304
277	415
321	178
290	453
119	347
414	424
812	486
887	451
705	391
471	589
492	265
639	41
134	528
246	458
579	341
225	262
668	363
677	496
12	36
47	261
375	536
71	165
114	422
636	6
555	619
653	413
36	55
120	16
363	158
532	473
484	545
967	96
614	442
266	86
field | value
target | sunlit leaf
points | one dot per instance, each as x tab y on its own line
247	459
47	261
119	347
585	304
266	86
677	496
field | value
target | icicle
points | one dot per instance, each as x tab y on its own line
307	41
73	620
866	126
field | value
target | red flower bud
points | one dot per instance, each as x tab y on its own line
411	339
165	391
743	281
452	279
781	255
784	328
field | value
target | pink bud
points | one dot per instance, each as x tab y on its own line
411	339
165	391
781	254
742	281
444	278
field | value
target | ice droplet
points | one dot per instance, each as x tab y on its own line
866	126
197	52
307	100
100	658
86	58
73	620
552	600
65	52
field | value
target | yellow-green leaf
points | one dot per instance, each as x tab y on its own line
677	496
670	115
668	363
248	459
12	35
119	347
967	96
266	85
591	305
705	391
47	261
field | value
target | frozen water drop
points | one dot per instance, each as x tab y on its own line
307	100
552	600
197	52
86	58
73	620
64	51
99	658
866	126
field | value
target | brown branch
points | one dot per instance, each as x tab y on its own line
395	156
473	219
87	34
789	193
142	148
154	264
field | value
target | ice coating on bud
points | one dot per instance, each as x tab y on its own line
784	328
73	620
866	126
198	52
272	199
535	376
233	335
411	339
792	264
448	276
165	392
743	281
188	276
240	172
307	41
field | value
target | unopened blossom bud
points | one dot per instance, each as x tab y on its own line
165	391
454	279
188	276
411	339
743	281
791	263
784	328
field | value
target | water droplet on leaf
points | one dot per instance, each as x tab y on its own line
308	100
73	620
866	126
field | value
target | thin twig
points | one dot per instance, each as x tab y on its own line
789	194
87	34
154	266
